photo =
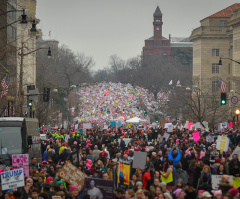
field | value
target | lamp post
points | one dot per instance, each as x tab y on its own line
220	60
21	94
237	112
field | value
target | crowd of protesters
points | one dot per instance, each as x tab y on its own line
187	165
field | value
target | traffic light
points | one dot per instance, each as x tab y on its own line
30	103
46	94
157	121
145	112
223	98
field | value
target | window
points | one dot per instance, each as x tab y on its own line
215	68
157	20
214	86
215	52
223	23
229	68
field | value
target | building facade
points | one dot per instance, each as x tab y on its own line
159	45
218	36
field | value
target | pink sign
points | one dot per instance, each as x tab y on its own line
21	161
230	124
189	125
196	136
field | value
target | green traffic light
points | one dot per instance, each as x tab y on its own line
30	104
223	102
156	121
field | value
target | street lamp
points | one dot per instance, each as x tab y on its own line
24	20
237	112
21	94
220	60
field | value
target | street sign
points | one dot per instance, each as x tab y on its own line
234	100
33	94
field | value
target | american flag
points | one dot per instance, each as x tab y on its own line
178	82
222	86
4	86
5	112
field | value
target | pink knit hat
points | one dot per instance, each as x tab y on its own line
201	191
177	192
89	161
88	166
217	192
73	187
48	179
233	192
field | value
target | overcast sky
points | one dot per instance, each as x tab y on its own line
101	28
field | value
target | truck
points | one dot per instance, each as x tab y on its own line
19	135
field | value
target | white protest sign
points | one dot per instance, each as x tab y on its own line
169	127
139	160
13	178
105	126
43	136
67	137
87	125
236	151
209	138
197	125
216	180
127	140
76	126
222	143
166	136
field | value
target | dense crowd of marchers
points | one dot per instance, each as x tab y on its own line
106	159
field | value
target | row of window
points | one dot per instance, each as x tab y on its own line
215	68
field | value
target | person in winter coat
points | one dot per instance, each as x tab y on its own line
225	185
175	156
180	173
190	191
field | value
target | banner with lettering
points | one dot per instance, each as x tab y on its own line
21	161
222	143
13	178
72	175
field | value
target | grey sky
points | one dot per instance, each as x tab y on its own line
101	28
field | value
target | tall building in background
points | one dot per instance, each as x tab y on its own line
160	45
218	36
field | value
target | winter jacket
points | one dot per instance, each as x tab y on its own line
176	159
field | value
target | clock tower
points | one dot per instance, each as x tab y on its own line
157	24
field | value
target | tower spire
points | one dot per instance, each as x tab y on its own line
157	11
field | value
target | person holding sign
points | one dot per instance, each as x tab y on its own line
169	176
94	192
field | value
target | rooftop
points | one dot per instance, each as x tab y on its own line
226	12
157	11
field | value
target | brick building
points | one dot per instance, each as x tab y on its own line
159	45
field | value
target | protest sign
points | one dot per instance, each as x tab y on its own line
99	188
196	136
216	180
105	126
169	127
21	161
236	182
209	138
13	178
190	124
67	137
43	136
123	175
222	143
87	125
127	140
166	136
236	151
139	160
119	124
72	175
163	122
113	123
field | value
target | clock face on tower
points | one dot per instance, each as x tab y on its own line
157	28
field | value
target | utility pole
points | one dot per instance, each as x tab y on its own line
21	94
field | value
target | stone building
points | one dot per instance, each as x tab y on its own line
160	45
218	36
